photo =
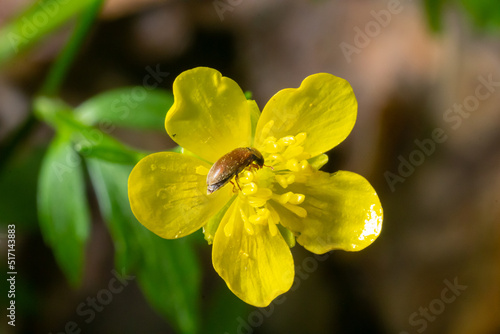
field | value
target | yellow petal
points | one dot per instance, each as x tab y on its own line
324	107
210	115
257	267
169	197
343	212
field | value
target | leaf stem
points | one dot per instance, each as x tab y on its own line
63	62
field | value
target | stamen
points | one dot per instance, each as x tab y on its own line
297	199
292	165
264	193
299	139
263	213
273	229
250	189
304	165
274	215
281	180
246	177
275	159
286	141
249	227
243	215
285	197
289	161
255	219
271	147
301	212
256	202
272	221
293	151
260	217
291	198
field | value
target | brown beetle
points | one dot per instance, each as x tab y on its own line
231	164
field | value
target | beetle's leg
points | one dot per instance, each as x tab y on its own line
237	183
255	166
234	186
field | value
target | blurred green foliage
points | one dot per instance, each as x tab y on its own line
35	23
129	107
62	206
167	270
482	13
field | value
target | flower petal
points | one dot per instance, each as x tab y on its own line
210	115
167	194
257	267
343	212
324	107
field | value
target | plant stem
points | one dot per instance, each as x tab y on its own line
63	62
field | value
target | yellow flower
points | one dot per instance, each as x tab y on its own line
254	223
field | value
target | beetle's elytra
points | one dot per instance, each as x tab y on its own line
231	164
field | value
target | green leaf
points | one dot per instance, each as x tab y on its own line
132	107
287	235
107	149
88	141
59	68
62	207
434	9
167	270
484	13
110	183
36	22
226	312
170	278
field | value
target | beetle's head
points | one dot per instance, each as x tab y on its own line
258	158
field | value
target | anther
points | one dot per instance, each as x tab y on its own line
296	199
250	188
246	177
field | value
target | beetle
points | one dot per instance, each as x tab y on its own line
231	164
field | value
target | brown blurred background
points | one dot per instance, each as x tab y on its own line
436	266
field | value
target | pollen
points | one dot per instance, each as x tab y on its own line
246	177
285	164
250	189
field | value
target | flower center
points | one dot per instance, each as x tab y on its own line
285	163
